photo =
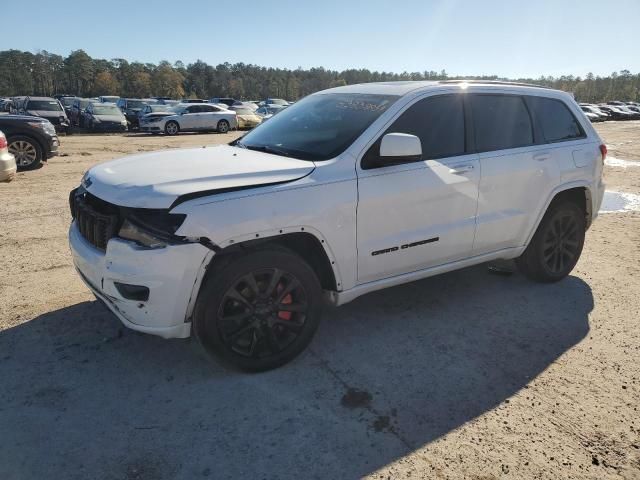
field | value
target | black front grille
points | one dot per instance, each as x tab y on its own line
97	220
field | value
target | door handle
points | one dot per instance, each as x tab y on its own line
541	157
461	169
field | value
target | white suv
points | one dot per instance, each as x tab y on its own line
347	191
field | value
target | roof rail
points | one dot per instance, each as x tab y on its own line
495	82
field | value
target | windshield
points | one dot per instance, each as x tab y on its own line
67	101
159	108
106	110
277	101
244	111
135	104
319	127
44	105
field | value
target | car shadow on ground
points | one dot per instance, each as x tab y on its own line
82	397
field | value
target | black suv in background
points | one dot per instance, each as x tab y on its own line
49	108
31	140
131	106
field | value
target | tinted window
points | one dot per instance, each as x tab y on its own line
500	121
194	109
555	119
437	121
44	105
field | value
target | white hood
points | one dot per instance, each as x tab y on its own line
157	179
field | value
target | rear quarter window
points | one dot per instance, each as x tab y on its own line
555	119
500	122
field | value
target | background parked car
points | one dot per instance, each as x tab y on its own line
614	113
625	108
158	110
193	100
252	105
77	110
247	118
192	118
266	112
7	161
31	140
274	101
104	117
593	118
49	108
593	110
108	98
17	103
130	107
7	105
226	100
67	103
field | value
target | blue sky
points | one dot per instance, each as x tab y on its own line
508	38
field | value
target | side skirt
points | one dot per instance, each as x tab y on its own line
340	298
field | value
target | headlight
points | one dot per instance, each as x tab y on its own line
130	231
46	126
151	229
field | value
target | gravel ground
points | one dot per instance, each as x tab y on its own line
465	375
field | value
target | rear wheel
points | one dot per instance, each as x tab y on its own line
172	128
557	244
27	152
259	311
223	126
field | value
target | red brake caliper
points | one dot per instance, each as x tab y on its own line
286	300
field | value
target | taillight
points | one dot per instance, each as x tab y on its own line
3	141
603	151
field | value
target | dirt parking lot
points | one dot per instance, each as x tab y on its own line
466	375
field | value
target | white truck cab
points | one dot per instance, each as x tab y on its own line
347	191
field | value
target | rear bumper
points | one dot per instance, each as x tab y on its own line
7	167
170	274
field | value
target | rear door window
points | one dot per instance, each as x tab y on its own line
500	122
555	119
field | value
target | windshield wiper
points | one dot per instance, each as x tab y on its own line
267	149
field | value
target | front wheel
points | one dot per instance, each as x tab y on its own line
557	244
223	126
27	152
172	128
259	311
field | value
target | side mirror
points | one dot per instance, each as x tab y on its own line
400	148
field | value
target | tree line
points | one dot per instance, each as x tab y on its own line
46	74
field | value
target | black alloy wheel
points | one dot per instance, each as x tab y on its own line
258	310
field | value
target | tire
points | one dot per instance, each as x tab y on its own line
557	244
27	151
260	310
172	128
223	126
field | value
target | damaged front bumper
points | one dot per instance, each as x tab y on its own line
168	279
